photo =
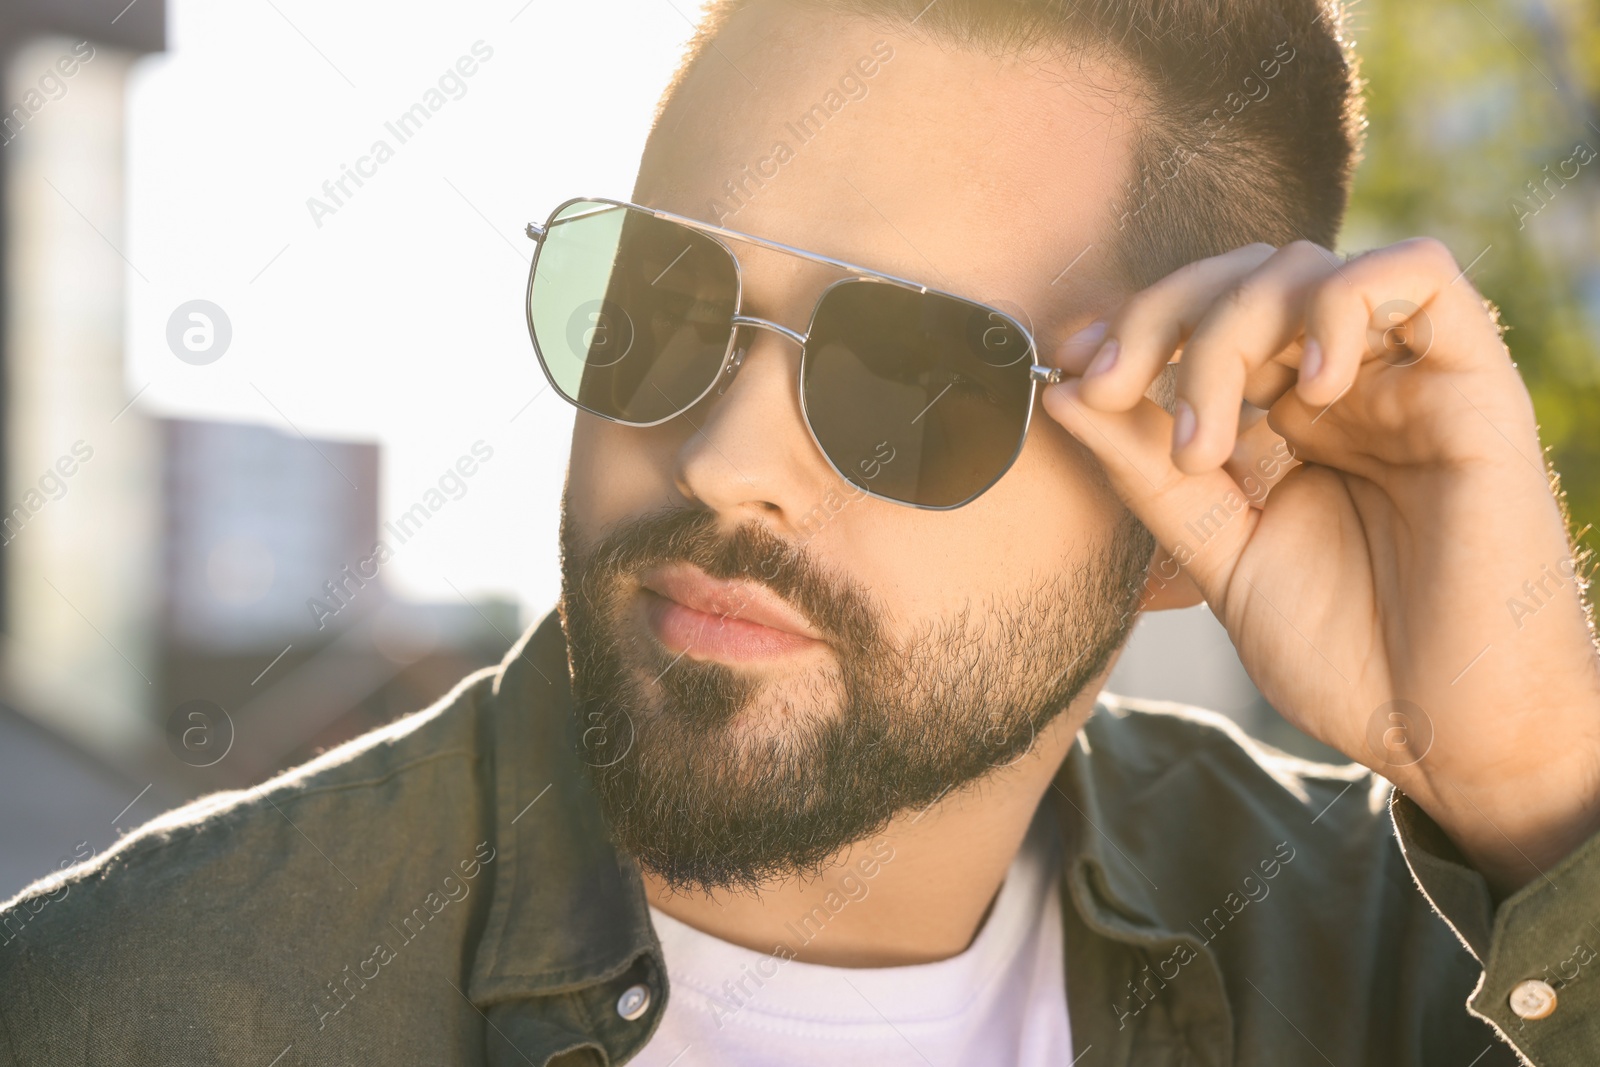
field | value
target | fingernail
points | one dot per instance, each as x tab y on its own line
1075	351
1104	360
1184	424
1091	334
1310	360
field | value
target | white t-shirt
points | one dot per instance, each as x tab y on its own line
1002	1001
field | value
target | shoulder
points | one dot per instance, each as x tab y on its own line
1195	835
190	904
1140	746
380	768
1188	790
1184	813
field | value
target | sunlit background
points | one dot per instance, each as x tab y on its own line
242	343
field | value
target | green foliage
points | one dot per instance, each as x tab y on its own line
1468	103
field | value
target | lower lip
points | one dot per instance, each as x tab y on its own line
701	635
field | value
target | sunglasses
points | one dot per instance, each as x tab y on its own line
911	394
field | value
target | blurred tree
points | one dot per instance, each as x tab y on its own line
1484	131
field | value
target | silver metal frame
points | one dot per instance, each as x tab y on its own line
1037	374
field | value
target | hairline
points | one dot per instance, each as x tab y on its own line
1055	42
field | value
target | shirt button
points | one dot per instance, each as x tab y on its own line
635	1001
1533	999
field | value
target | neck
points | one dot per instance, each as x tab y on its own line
916	893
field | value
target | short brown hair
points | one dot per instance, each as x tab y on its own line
1215	166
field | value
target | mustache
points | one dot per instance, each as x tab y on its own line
842	609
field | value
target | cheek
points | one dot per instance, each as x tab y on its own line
1074	500
618	472
1046	515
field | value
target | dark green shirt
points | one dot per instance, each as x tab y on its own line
442	891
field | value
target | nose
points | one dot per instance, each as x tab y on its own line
749	455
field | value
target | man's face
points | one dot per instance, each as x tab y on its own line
769	664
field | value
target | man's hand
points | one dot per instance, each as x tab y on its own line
1406	593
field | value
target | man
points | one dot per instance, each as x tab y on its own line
818	767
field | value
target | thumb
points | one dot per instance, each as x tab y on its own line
1203	520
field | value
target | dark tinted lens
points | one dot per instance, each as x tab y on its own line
631	314
917	397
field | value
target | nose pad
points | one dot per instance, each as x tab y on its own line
741	347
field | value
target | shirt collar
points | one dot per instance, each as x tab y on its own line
1108	838
568	909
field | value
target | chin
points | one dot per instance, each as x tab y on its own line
780	700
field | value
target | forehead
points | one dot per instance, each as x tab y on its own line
988	176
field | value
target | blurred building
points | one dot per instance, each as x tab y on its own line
150	566
275	607
268	629
257	523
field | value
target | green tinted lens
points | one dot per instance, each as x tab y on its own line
917	397
631	315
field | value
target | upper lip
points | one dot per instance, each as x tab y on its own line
738	599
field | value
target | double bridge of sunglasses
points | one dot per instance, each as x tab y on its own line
911	394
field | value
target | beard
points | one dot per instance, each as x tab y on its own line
713	779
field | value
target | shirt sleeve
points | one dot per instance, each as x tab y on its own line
1539	949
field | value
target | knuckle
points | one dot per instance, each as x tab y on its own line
1432	253
1187	276
1390	411
1241	295
1335	296
1254	255
1135	310
1310	253
1330	292
1228	262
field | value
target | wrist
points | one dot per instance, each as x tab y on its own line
1514	826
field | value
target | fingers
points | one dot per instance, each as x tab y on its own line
1286	329
1258	321
1400	345
1251	323
1202	520
1269	382
1400	304
1261	457
1118	359
1233	314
